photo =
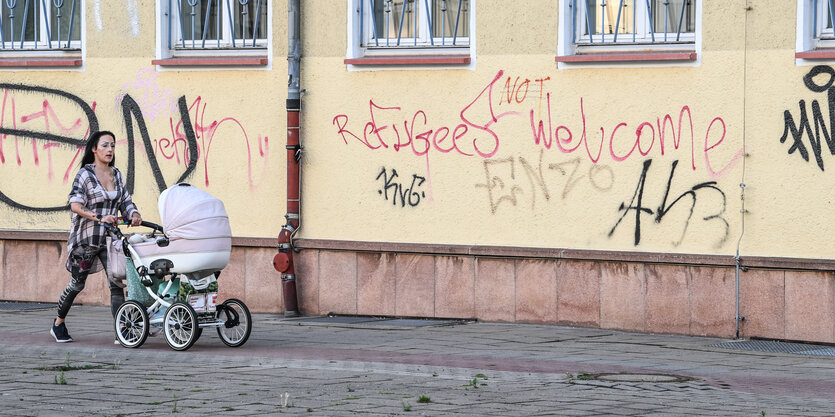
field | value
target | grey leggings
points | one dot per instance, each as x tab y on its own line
82	258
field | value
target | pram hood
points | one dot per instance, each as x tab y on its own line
190	213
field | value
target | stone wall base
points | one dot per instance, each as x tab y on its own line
645	296
34	270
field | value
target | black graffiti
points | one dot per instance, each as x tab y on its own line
637	204
410	195
46	136
131	111
804	127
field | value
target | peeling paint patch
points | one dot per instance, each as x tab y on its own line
133	16
97	14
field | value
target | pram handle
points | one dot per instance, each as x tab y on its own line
161	241
112	229
115	230
152	226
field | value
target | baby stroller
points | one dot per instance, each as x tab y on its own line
172	274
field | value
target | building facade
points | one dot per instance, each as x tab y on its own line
640	165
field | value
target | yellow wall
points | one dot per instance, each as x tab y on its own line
238	117
521	193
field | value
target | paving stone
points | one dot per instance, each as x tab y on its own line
526	369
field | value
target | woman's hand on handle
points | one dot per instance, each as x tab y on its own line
136	219
109	219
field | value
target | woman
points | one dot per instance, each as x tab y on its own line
98	191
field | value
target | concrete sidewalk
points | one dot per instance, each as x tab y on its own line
395	367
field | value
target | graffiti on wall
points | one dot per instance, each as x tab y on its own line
475	134
45	136
532	157
513	179
643	138
154	100
471	135
65	120
690	196
408	192
803	128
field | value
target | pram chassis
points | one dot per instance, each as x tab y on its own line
181	324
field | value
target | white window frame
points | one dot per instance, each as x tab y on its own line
643	28
356	40
824	35
570	43
811	33
59	46
262	46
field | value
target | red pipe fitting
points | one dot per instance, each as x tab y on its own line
283	260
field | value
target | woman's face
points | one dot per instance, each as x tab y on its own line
103	151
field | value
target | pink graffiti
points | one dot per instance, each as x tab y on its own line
510	94
473	134
153	100
50	122
563	137
48	119
171	148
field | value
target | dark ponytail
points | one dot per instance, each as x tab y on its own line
88	157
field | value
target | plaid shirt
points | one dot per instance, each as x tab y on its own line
87	190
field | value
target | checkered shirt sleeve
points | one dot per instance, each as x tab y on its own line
87	190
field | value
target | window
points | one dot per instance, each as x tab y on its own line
657	21
197	31
40	33
815	37
822	21
626	30
410	31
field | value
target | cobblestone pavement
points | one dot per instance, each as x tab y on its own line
327	368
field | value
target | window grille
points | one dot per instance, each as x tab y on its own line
40	25
217	24
633	21
415	23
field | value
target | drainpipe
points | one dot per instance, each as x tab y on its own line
283	261
738	319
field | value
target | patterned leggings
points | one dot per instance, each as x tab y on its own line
81	261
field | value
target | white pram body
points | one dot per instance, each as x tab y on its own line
170	274
198	232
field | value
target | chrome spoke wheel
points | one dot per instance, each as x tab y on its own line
180	326
131	324
237	322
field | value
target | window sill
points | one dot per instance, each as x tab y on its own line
213	61
411	60
823	53
24	62
629	57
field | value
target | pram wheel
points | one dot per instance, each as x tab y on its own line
237	322
180	326
131	324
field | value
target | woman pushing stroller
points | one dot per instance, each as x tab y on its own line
98	193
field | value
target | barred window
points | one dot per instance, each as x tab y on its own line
217	24
30	25
415	23
631	21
